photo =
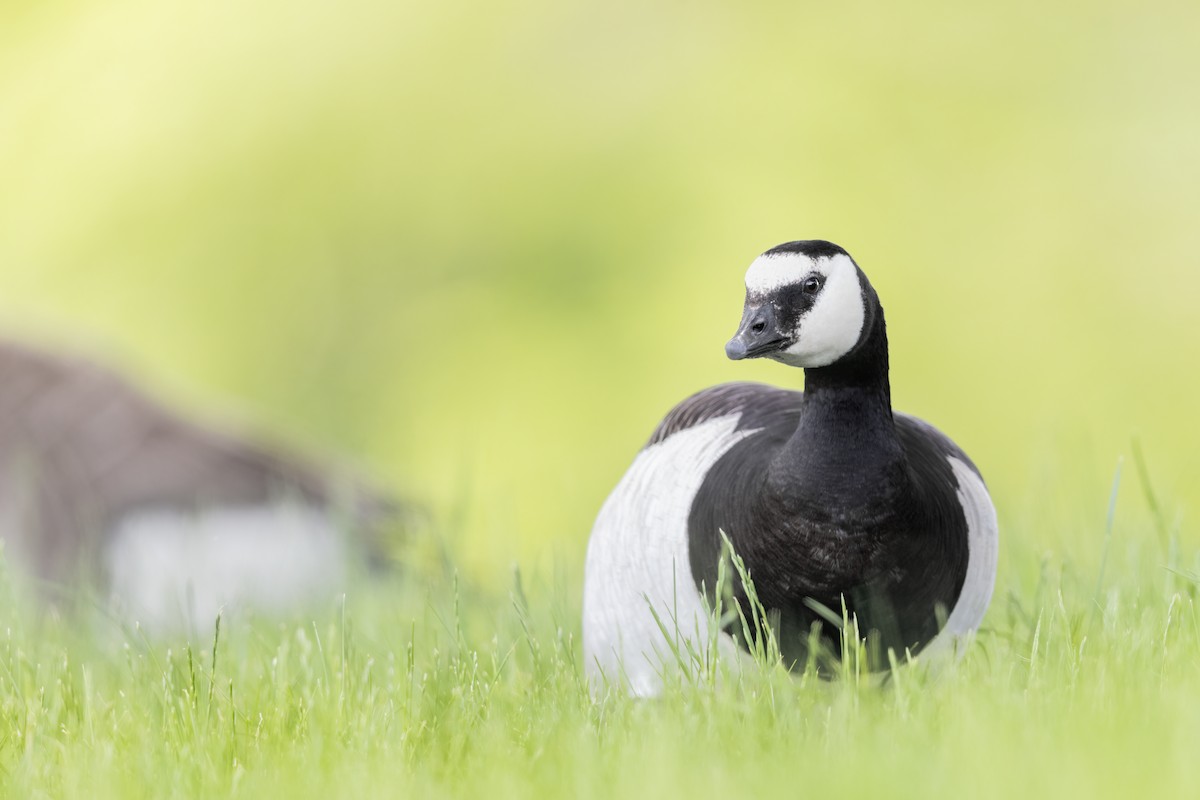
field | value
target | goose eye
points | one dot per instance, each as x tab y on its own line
811	285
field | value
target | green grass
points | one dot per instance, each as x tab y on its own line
1084	680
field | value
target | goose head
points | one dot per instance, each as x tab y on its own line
807	305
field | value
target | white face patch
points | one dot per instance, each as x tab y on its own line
829	329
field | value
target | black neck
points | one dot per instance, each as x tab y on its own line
862	373
846	436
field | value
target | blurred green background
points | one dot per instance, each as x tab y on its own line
480	249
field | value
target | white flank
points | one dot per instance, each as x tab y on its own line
169	569
983	548
637	559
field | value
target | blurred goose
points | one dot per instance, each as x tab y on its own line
829	496
174	521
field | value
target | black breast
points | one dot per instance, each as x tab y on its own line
890	544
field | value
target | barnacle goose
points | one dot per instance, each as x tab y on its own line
102	487
828	496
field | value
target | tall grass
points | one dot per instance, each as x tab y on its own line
1079	682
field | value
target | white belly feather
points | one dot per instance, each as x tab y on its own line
169	569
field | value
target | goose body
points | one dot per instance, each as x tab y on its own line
829	497
171	520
